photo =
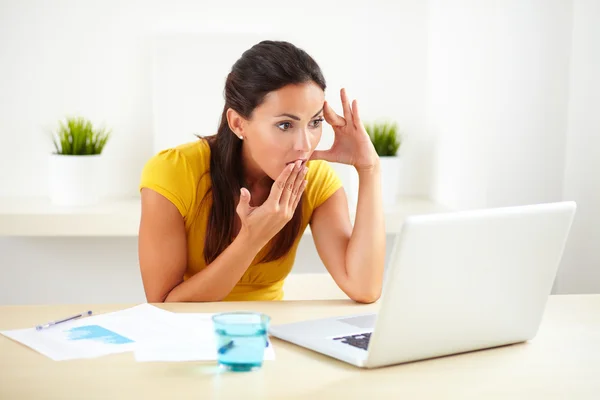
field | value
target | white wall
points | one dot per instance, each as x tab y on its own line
526	152
581	266
513	97
96	59
62	58
459	69
497	100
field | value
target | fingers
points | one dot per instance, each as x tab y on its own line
355	115
278	187
299	195
331	117
243	208
346	105
297	185
290	184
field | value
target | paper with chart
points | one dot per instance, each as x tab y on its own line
155	334
193	339
95	336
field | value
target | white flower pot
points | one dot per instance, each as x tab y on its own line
390	182
390	179
73	180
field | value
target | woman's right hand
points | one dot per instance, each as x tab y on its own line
260	224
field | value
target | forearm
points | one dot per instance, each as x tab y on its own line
217	280
365	255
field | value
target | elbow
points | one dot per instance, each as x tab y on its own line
364	292
158	299
366	297
178	298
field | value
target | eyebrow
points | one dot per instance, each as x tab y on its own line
297	118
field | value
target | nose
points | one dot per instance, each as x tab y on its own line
302	141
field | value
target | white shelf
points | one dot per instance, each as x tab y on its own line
38	217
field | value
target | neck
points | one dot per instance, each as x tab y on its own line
254	177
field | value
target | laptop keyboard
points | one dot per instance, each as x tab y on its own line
361	340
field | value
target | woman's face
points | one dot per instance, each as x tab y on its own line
286	127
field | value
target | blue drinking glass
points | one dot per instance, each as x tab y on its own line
241	339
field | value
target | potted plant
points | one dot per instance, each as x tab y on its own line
74	166
387	141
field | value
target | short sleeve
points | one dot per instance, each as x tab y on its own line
323	182
169	173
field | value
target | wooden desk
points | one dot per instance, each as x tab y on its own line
562	362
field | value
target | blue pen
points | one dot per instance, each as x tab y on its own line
51	323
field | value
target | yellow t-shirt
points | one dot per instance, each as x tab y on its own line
175	173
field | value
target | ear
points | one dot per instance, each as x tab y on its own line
236	122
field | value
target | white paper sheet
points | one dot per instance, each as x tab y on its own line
193	340
95	336
152	333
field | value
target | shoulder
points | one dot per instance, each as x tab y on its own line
195	153
189	158
175	172
323	181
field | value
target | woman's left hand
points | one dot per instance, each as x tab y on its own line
351	144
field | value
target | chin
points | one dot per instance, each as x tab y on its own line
275	172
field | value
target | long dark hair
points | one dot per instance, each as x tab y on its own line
265	67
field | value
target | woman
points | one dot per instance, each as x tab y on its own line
222	216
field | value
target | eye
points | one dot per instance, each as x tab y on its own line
317	122
284	126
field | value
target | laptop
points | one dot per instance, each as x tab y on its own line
456	282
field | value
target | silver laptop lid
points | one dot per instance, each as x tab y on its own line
469	280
